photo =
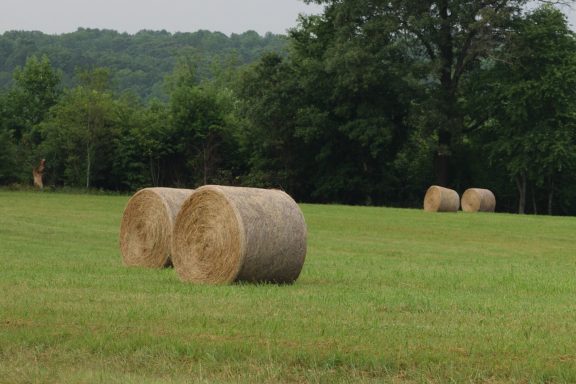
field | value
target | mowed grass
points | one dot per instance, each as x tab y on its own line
386	295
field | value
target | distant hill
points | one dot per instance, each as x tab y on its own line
138	62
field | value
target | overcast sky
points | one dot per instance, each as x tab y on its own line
228	16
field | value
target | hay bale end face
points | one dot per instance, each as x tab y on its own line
478	200
147	223
440	199
227	234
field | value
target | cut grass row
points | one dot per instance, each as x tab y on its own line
385	295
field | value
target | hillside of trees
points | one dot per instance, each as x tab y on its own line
138	63
368	103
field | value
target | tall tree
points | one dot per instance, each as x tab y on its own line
270	96
35	90
448	36
81	128
199	120
528	95
155	142
354	101
8	148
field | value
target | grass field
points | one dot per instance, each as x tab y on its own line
386	295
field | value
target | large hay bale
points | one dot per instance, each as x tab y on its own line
478	200
440	199
226	234
146	228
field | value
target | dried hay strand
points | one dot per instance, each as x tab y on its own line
440	199
146	228
478	200
227	234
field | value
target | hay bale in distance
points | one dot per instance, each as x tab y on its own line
227	234
478	200
440	199
146	228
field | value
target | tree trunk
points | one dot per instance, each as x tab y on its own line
205	165
534	205
442	158
550	195
151	164
155	171
447	97
521	185
88	165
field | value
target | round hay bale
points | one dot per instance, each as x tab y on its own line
440	199
478	200
227	234
146	228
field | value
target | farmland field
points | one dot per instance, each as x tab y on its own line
386	295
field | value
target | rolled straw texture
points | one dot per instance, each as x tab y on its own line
478	200
440	199
227	234
146	228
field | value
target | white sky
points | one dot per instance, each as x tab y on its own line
227	16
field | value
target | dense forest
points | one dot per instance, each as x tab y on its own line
368	103
138	63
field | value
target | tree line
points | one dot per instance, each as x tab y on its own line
369	102
138	63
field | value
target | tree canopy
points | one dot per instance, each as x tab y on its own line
138	63
529	101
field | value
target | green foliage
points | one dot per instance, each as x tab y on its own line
441	43
138	63
270	96
143	146
531	126
8	155
200	136
328	122
24	106
36	89
356	84
78	133
129	168
93	138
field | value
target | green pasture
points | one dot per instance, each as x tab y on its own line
386	295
